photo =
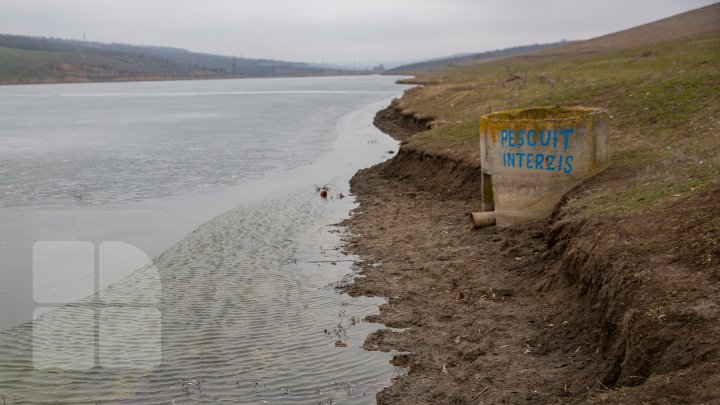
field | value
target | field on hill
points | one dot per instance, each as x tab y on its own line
26	60
21	63
19	66
615	298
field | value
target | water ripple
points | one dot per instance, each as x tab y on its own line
238	323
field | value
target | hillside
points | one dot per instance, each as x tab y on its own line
616	297
701	21
458	61
45	60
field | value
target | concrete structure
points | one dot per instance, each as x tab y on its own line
531	157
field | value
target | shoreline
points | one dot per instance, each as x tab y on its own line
141	79
542	312
416	227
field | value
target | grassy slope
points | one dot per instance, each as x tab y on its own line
663	100
640	241
43	60
18	66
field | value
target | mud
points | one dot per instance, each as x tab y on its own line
606	309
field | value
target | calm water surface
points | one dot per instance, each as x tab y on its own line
215	180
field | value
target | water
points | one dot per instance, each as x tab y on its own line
107	143
243	304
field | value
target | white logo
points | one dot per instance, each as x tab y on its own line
116	327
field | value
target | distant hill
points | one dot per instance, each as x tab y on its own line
465	58
701	21
698	22
26	59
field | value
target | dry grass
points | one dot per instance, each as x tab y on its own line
663	99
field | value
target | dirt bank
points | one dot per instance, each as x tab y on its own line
606	308
401	124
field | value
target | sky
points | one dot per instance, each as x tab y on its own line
333	31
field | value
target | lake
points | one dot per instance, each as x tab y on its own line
216	182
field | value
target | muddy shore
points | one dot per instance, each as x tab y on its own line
547	312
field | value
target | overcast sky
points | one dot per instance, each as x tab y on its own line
340	31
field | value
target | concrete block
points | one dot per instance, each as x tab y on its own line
534	156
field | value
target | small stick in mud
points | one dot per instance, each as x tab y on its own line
330	261
603	385
480	393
